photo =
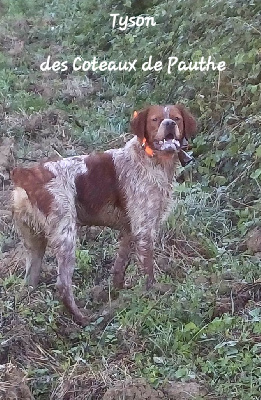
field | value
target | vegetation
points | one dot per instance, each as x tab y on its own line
203	322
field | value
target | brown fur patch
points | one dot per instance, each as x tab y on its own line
33	181
99	185
147	122
139	124
190	125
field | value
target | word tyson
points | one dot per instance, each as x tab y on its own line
124	22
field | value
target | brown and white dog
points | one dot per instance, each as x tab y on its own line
128	189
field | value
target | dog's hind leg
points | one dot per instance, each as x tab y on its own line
35	245
63	242
32	237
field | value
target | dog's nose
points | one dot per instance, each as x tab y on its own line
169	122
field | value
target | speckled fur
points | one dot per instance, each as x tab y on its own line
139	193
147	185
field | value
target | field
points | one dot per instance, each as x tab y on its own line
197	334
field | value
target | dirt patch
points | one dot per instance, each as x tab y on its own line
253	241
11	260
185	248
48	123
13	384
6	149
183	391
5	211
99	294
80	387
17	48
6	162
64	87
84	387
137	389
238	298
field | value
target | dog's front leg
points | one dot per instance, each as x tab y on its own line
122	260
145	253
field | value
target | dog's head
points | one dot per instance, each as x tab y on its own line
164	128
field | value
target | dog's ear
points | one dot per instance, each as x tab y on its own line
139	123
190	125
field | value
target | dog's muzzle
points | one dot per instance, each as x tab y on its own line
169	132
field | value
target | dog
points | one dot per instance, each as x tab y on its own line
128	189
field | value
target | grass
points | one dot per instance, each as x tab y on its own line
173	333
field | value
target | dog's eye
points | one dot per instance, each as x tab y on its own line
176	119
155	119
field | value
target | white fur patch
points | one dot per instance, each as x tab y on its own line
19	197
166	112
62	227
71	165
27	213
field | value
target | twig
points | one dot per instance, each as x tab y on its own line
56	150
218	85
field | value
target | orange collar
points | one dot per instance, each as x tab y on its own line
147	148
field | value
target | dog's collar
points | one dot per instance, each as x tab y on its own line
148	150
185	144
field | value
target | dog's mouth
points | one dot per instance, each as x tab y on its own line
169	143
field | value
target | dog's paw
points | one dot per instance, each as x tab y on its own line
82	318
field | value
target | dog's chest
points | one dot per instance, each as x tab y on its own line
148	199
147	189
